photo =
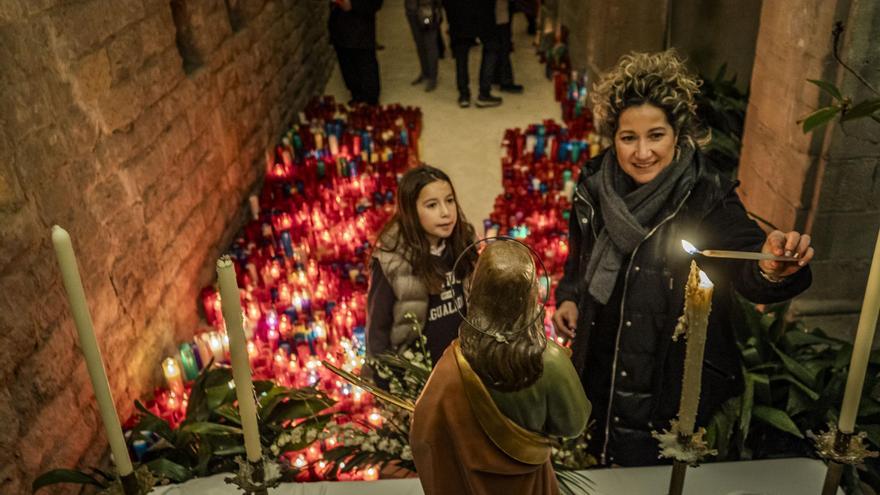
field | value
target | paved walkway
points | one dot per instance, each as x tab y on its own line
463	142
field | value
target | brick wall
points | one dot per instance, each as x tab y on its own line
826	182
140	126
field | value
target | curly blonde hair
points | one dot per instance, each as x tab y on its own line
660	79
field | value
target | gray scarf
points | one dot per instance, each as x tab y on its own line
628	214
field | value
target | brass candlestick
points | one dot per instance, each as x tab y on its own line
840	449
253	478
684	450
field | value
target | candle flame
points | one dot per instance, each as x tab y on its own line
705	283
690	248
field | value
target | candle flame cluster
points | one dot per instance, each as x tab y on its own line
539	171
300	264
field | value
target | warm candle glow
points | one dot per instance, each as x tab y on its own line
371	474
693	325
690	248
172	375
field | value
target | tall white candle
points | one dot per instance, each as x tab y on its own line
241	370
89	344
695	321
858	363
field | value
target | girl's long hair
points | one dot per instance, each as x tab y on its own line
410	239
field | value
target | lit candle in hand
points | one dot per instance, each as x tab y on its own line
693	324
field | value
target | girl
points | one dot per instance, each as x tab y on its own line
411	269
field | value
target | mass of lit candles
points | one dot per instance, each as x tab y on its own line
539	170
300	261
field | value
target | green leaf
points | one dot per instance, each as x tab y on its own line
795	368
747	404
167	469
56	476
820	117
218	395
829	88
797	402
800	386
797	338
151	422
861	109
230	413
296	409
777	419
868	407
208	428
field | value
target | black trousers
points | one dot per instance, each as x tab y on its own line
426	46
360	71
460	48
503	74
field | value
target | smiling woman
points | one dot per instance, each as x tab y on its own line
620	296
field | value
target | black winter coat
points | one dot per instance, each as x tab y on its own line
470	18
355	28
629	365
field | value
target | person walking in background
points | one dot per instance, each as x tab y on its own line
424	17
353	35
503	75
469	19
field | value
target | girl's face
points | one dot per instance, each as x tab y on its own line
644	142
437	210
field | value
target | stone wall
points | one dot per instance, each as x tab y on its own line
140	126
709	34
826	182
712	34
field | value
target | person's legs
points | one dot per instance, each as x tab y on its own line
419	39
432	55
460	48
487	63
503	69
368	72
349	67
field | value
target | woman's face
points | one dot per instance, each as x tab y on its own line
437	210
644	142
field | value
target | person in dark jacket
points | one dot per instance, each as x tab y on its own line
470	19
424	17
623	287
353	35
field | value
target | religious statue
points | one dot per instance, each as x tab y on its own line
483	422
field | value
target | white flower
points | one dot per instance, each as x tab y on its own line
406	454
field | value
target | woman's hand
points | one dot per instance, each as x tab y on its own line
565	319
786	244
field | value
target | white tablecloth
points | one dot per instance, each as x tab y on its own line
771	477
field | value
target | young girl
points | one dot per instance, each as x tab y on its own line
411	270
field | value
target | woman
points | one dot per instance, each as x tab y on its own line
623	286
411	271
424	17
482	422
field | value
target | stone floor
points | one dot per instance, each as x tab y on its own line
463	142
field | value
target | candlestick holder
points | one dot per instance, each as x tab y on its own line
840	449
685	450
255	477
139	482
